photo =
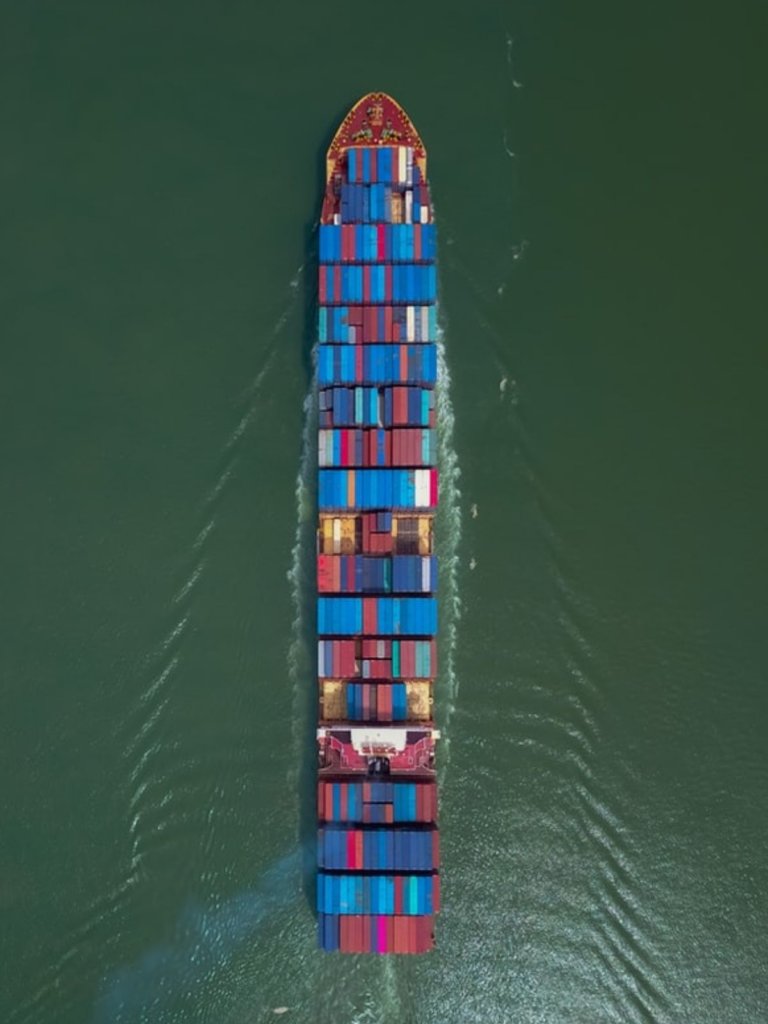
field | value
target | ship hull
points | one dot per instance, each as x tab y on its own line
378	883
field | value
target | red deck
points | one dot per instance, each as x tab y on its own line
375	120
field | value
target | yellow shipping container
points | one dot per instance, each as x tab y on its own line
333	704
419	699
425	535
348	535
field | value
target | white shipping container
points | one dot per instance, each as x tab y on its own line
424	214
337	218
410	323
409	207
426	582
321	448
401	164
320	658
424	314
352	332
421	479
337	536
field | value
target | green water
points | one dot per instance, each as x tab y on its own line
604	820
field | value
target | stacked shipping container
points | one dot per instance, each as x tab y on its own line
378	885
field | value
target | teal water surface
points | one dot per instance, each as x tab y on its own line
598	174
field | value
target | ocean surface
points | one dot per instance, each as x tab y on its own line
599	175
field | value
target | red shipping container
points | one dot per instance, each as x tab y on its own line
359	837
324	573
381	234
366	792
419	934
356	315
433	488
424	932
348	666
344	934
385	703
390	929
387	324
374	165
396	406
406	935
389	814
375	333
350	858
320	799
429	803
359	375
401	932
323	286
417	242
404	375
337	283
369	648
413	939
369	616
328	803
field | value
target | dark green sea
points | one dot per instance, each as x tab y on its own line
600	177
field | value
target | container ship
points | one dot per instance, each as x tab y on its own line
378	886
